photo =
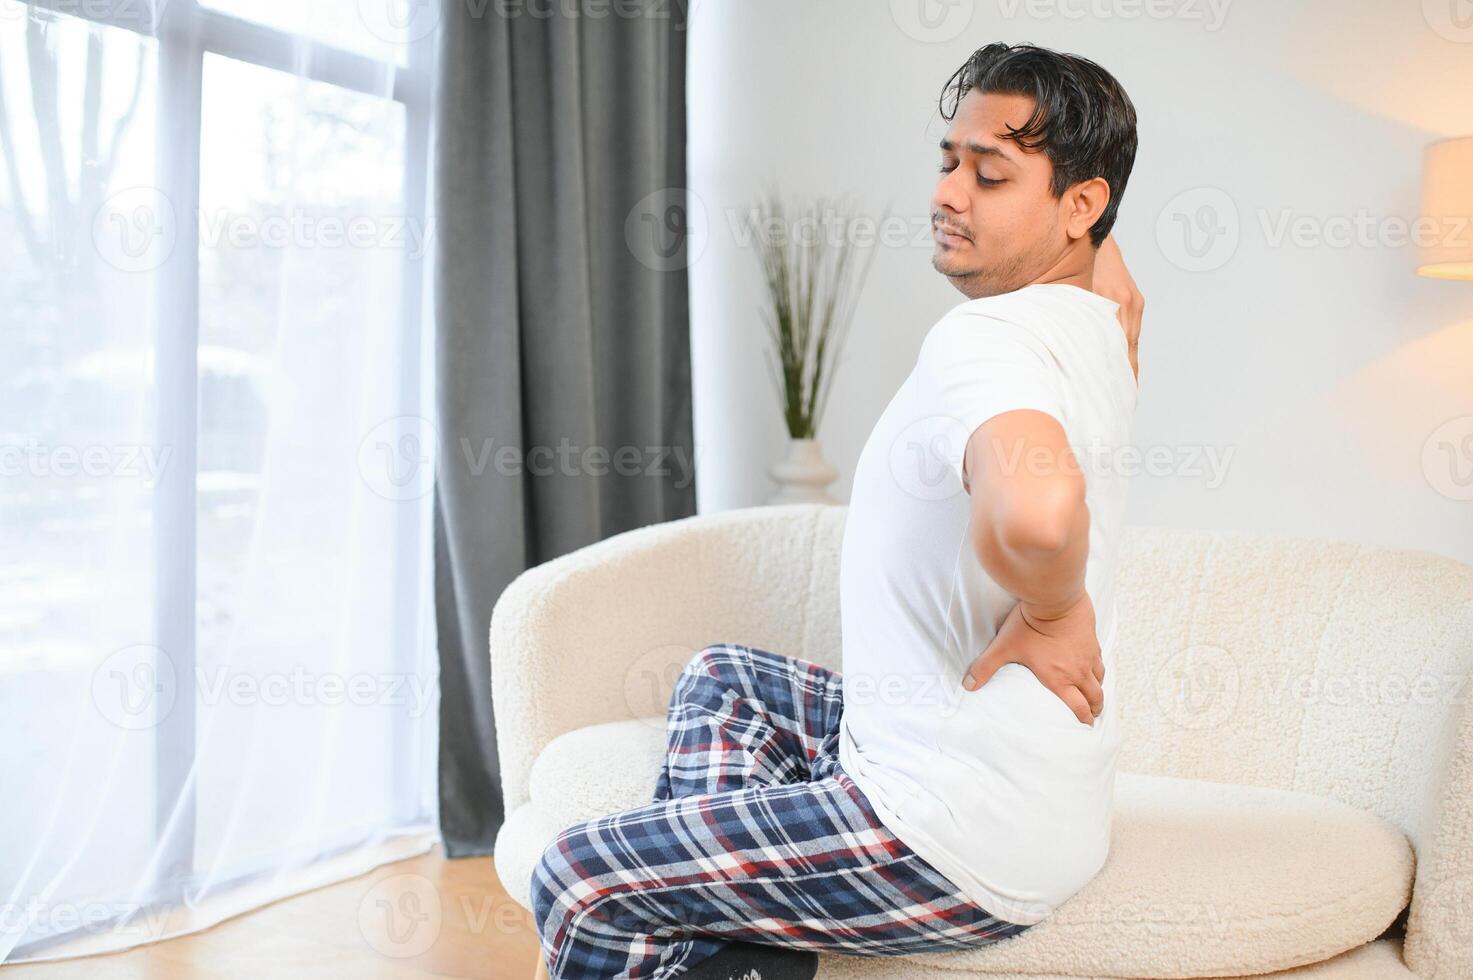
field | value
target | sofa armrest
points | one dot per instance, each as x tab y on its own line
602	633
1439	939
588	638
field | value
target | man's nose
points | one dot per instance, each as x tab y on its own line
949	195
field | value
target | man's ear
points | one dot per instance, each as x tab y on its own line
1083	204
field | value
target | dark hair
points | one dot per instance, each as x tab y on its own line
1082	119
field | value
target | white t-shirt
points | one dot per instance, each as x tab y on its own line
1002	789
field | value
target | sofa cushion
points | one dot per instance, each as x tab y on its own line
598	769
1203	879
1379	960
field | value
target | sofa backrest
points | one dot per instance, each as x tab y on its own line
1322	666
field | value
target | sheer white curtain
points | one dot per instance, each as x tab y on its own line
218	682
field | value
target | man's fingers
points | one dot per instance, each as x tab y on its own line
1077	703
1094	695
984	667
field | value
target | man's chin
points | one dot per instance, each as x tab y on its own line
946	262
942	260
970	281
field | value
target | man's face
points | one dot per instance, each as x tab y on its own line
996	196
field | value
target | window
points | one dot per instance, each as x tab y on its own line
216	641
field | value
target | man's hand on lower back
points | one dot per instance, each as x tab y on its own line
1113	281
1058	645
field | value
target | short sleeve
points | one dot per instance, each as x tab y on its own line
977	367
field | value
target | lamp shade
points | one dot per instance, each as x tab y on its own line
1445	240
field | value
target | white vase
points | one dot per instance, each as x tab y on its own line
803	475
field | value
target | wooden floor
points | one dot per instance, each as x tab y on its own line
382	926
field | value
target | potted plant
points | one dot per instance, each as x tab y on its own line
814	273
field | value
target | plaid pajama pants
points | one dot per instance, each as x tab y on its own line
755	833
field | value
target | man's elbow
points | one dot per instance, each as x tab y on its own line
1043	522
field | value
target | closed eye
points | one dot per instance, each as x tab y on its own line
984	181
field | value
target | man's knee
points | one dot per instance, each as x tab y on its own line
723	660
567	903
555	884
711	673
707	664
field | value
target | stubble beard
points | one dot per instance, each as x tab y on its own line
978	280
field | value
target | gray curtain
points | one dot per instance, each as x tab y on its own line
563	359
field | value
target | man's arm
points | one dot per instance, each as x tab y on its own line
1030	529
1029	522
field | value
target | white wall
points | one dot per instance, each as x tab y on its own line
1322	369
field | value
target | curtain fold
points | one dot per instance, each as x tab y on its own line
563	357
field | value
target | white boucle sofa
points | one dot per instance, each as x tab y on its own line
1297	761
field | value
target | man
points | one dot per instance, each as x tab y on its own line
928	798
